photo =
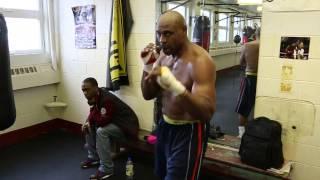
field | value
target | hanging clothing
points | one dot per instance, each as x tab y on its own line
121	25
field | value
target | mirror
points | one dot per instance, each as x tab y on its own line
226	27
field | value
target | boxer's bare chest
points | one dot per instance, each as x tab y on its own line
181	69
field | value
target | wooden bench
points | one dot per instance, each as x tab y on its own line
219	159
139	145
225	161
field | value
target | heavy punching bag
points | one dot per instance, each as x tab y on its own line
7	106
201	32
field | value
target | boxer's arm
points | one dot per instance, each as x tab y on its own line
200	103
242	56
150	88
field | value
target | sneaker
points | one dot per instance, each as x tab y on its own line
100	175
89	163
241	131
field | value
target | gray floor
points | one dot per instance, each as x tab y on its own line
56	156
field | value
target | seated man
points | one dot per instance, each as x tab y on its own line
109	118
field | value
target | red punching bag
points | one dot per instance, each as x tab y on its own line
201	32
7	106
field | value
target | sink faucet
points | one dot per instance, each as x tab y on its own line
55	98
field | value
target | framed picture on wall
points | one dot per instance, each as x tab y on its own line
294	48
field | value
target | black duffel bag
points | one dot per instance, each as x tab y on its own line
261	144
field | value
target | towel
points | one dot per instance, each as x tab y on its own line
121	25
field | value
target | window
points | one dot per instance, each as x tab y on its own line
250	23
23	20
30	26
237	26
223	28
180	9
183	10
205	13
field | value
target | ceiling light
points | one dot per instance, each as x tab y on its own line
249	2
259	8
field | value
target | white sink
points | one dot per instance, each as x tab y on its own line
56	105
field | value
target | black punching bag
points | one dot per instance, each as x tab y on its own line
7	107
237	39
201	32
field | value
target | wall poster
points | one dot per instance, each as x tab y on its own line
295	48
85	26
286	86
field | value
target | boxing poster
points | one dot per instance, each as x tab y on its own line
85	26
294	48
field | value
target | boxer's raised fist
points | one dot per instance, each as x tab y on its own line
169	82
149	56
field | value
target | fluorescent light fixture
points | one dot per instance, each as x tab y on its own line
249	2
259	8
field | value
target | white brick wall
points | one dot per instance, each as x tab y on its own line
143	32
300	106
29	106
77	64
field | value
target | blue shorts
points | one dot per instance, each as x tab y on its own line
180	150
247	95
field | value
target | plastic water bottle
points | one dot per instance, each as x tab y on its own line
129	169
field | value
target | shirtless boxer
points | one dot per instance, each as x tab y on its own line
185	74
249	58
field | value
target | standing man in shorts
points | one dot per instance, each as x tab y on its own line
184	74
249	58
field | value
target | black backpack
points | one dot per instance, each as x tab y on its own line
261	144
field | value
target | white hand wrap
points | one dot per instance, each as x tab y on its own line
168	82
149	60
